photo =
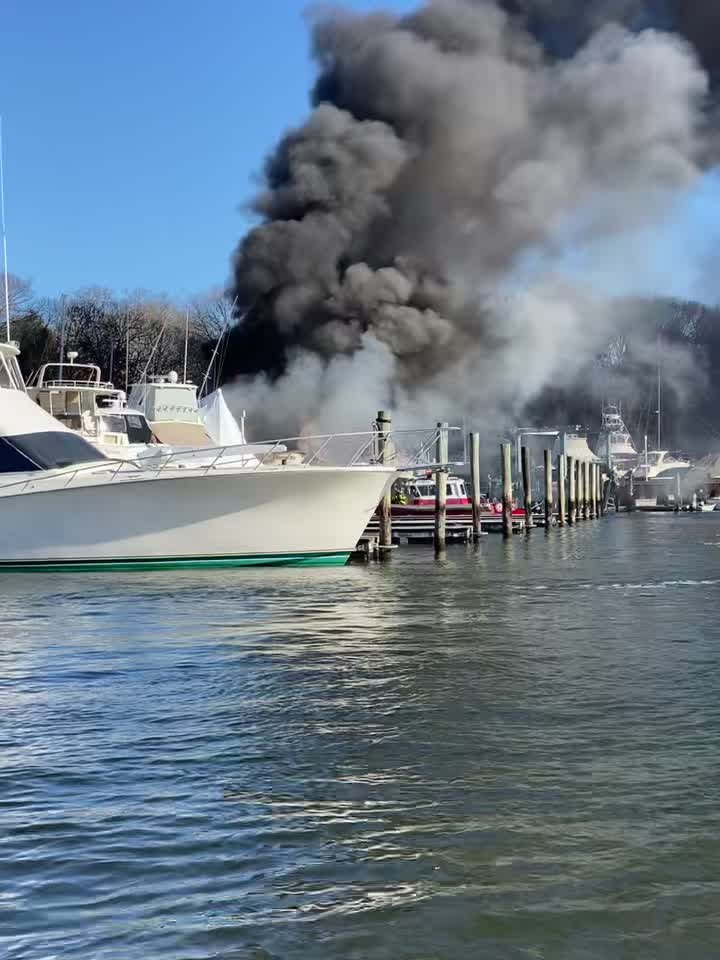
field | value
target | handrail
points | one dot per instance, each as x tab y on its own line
99	385
92	379
151	467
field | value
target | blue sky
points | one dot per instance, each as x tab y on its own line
134	131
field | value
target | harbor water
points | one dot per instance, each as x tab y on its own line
511	753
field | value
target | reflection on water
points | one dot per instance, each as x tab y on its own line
508	753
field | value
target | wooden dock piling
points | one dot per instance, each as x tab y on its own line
442	457
527	487
591	489
562	492
572	489
588	491
475	483
385	454
548	490
507	525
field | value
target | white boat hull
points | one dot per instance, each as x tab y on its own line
304	515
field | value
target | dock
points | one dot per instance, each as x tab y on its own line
574	489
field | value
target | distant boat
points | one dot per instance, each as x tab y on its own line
615	445
415	497
660	465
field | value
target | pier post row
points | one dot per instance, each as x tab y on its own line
562	493
548	489
527	487
587	501
571	489
442	457
507	526
385	454
475	483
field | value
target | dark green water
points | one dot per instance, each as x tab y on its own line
511	754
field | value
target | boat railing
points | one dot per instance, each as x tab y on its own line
403	450
98	386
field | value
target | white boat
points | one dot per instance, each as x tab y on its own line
77	396
172	410
64	506
615	444
660	465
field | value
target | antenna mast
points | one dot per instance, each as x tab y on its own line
659	394
4	239
187	331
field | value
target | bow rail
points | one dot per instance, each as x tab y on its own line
402	450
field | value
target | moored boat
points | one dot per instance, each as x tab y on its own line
415	497
76	395
64	505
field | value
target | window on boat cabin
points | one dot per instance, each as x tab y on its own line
138	429
45	451
10	376
113	424
73	421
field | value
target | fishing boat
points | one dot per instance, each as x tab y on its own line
660	465
615	444
172	410
66	506
81	400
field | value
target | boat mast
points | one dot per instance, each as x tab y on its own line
4	240
658	393
187	331
127	349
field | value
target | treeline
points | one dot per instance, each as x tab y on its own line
127	337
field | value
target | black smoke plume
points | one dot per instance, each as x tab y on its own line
410	230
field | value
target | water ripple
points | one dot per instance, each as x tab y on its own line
510	754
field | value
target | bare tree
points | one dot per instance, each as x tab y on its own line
20	297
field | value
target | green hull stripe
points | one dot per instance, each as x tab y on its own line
180	563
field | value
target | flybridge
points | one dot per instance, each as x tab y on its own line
10	376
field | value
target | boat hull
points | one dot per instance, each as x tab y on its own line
299	517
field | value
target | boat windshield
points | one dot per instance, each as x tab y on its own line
48	450
10	376
426	489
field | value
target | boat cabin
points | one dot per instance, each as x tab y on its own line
76	395
171	408
71	391
10	376
421	491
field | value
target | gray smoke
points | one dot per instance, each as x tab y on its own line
415	230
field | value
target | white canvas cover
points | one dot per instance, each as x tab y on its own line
575	446
219	421
20	415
